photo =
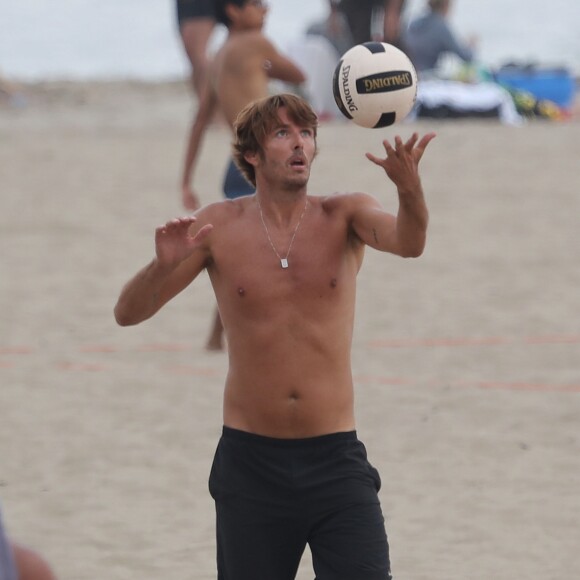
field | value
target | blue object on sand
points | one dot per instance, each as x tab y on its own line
552	84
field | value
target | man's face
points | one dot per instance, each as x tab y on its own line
288	152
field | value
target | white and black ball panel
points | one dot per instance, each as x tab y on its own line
375	84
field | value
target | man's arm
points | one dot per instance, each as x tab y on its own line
179	259
199	125
403	234
280	67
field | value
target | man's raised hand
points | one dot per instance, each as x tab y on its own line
174	242
402	161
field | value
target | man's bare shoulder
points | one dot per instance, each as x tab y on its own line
346	202
221	212
247	41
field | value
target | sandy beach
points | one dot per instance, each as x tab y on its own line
466	361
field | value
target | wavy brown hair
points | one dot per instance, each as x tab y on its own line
260	117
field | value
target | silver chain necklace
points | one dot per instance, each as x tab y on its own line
283	261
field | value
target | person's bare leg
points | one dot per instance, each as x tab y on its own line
195	34
216	336
30	565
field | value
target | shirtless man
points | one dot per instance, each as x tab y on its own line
289	469
239	74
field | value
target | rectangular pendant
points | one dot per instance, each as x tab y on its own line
284	262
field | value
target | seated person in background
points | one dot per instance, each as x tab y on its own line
429	37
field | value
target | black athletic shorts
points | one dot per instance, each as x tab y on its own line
187	9
274	496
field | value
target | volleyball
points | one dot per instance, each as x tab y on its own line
375	84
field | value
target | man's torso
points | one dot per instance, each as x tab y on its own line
239	73
289	330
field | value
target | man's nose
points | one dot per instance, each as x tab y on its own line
298	141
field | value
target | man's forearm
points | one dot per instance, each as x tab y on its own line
412	222
139	299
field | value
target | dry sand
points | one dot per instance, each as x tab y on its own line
467	361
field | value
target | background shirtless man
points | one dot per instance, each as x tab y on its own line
238	75
289	469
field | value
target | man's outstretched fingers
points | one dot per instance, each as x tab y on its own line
388	147
411	142
420	148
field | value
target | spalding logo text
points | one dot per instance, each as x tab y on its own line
384	82
348	97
